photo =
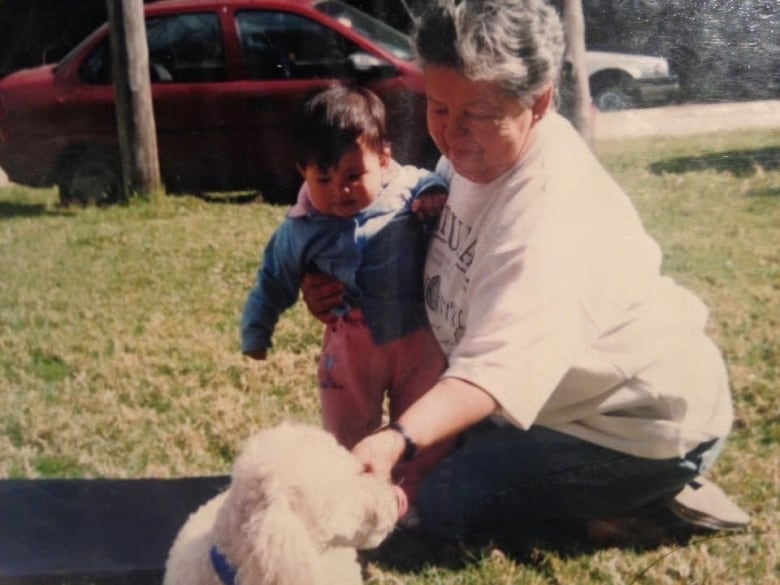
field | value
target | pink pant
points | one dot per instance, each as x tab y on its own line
354	375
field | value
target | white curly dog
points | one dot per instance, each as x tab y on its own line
297	508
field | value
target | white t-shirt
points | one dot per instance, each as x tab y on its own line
544	289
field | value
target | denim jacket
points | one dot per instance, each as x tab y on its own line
378	254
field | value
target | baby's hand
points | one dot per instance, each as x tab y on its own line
257	354
429	204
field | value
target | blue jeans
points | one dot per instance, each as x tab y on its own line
502	477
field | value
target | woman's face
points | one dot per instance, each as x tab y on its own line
475	124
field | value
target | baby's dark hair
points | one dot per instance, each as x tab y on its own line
331	121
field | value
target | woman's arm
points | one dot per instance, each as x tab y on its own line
451	406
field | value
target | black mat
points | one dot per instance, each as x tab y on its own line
94	531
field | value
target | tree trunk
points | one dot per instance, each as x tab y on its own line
575	92
133	97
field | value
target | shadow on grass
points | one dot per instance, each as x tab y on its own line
274	195
741	163
767	193
410	552
230	198
13	209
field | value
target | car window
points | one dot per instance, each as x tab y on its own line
280	45
97	67
393	41
186	48
183	48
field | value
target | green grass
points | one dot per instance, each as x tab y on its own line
119	353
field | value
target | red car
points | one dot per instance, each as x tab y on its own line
226	76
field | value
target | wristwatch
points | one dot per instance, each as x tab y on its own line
410	448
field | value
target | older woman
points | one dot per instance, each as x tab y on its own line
581	380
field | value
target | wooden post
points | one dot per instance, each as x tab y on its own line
576	95
133	97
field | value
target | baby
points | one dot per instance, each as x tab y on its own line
362	219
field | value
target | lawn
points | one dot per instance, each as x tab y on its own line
119	351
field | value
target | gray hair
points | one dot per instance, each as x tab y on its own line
517	44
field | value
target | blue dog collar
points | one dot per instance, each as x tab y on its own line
223	568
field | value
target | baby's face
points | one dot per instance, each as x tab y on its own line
350	186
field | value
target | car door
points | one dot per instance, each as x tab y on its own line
194	106
194	102
286	55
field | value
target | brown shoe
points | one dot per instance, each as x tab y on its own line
703	504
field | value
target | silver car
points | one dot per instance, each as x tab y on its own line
619	81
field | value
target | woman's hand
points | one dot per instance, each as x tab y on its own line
380	452
450	407
321	293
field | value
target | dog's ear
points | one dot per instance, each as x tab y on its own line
283	552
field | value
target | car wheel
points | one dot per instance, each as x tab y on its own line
612	99
94	178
